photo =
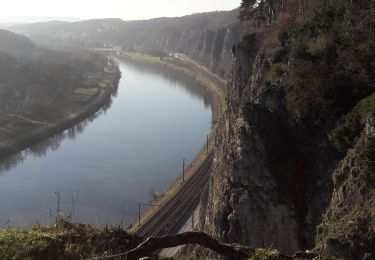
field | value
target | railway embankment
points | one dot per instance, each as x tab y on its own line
215	85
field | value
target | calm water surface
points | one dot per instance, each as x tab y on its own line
113	160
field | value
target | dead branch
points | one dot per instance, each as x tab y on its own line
153	244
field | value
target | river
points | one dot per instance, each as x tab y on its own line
98	171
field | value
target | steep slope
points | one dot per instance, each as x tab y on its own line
297	102
348	227
206	38
257	192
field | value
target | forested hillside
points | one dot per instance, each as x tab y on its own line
43	91
35	78
15	45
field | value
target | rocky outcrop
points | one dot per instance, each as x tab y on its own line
206	38
348	228
244	202
210	47
270	182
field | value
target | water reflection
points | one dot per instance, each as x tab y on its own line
112	158
52	143
175	78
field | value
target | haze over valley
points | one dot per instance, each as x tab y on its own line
187	130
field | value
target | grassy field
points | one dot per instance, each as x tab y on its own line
83	95
141	57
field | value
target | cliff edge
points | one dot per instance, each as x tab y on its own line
293	167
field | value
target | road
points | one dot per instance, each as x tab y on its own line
178	208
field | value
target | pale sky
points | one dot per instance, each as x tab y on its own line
124	9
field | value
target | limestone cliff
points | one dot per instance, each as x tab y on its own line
271	179
206	38
244	203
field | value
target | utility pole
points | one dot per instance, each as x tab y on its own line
207	144
183	170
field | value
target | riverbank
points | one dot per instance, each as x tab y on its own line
18	132
206	80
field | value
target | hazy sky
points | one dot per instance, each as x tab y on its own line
125	9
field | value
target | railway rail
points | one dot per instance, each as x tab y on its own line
170	215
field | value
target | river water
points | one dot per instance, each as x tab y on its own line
98	171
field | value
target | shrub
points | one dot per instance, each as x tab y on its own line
348	128
64	240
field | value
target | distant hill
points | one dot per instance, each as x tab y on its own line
34	19
15	45
205	37
37	28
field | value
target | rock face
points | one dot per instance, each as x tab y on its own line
276	184
270	183
244	203
210	47
348	228
206	38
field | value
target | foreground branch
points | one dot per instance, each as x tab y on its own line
152	244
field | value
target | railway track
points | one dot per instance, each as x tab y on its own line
170	215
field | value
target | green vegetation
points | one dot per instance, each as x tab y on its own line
328	52
324	71
349	227
349	127
42	87
64	240
328	56
82	95
265	254
14	127
322	55
37	81
141	57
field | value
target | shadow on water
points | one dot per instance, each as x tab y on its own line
52	143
